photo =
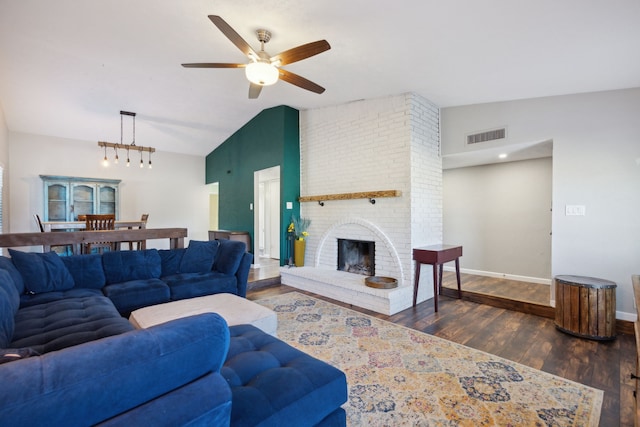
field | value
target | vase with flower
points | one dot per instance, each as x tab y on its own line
298	227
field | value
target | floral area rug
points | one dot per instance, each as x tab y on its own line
399	376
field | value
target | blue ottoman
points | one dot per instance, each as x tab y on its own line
274	384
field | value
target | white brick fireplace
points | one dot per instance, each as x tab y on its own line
389	143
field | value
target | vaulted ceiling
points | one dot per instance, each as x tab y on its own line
67	67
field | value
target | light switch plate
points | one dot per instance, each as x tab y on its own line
575	210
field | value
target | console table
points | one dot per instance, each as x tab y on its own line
436	255
242	236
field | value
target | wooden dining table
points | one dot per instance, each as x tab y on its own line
81	225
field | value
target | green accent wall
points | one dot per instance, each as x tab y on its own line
272	138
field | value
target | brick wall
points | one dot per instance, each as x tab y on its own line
389	143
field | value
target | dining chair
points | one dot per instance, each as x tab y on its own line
38	222
100	222
59	249
140	244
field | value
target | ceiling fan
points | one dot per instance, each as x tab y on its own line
264	70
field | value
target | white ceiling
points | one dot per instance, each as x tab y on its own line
67	67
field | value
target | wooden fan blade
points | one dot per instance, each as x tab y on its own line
299	81
254	90
213	65
233	36
301	52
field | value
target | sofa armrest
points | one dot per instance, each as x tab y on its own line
92	382
242	275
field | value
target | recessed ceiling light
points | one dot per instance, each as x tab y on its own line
502	156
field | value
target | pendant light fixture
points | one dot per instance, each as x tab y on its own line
124	146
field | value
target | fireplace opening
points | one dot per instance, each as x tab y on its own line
357	256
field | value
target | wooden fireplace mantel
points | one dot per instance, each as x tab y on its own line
371	195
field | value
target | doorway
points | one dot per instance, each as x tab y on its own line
266	213
500	213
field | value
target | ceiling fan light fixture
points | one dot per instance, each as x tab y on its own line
264	69
262	73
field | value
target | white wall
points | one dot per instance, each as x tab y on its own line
596	163
173	193
4	140
501	214
4	162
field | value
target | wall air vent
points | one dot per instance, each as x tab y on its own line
489	135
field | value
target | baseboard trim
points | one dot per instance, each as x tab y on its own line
527	279
629	317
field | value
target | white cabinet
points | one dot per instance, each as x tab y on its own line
67	197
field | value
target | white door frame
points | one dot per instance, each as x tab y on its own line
261	176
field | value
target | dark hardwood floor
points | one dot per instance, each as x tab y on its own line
513	289
268	272
524	338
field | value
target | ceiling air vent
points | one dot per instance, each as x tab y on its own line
489	135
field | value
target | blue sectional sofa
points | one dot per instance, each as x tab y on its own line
69	356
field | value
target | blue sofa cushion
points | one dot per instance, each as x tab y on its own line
91	383
6	283
67	322
261	370
86	270
190	285
229	256
199	256
124	266
242	275
8	265
9	303
135	294
7	322
42	272
27	300
170	260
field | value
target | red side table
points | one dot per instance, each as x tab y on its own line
436	255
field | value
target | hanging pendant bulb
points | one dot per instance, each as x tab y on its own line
128	147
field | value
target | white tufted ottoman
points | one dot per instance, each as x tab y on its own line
234	309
